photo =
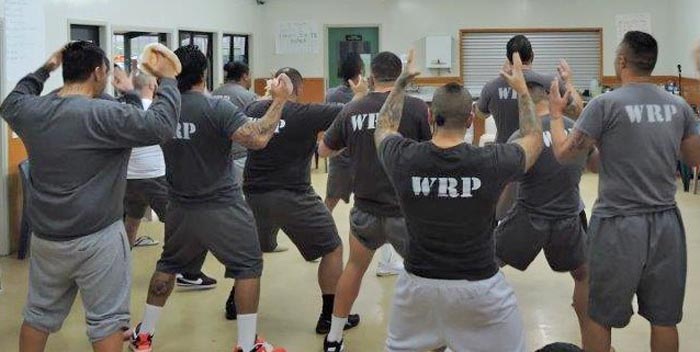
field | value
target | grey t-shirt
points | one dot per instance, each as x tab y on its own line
500	100
550	189
639	129
240	97
78	152
341	94
198	160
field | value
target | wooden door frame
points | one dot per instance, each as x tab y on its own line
326	54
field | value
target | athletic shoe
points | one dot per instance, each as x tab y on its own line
337	346
195	282
231	312
141	342
389	269
323	326
146	241
262	346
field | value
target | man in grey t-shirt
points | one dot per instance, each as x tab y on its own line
548	213
78	148
637	238
499	100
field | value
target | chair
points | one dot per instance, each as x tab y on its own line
25	231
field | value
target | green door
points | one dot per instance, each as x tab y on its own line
343	40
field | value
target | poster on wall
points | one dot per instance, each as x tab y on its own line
632	22
297	37
24	43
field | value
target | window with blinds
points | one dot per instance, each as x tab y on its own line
483	53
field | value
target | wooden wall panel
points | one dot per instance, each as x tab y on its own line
16	153
437	81
691	86
314	89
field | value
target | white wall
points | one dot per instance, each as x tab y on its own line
405	22
687	33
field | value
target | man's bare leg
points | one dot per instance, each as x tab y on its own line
160	288
580	302
132	228
247	301
664	339
112	343
599	335
331	203
330	270
31	339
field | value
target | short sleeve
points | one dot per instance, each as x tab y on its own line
691	125
335	136
391	149
485	99
515	136
591	120
229	118
510	161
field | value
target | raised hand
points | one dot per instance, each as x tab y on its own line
557	102
121	81
410	72
565	71
281	87
362	86
513	74
55	60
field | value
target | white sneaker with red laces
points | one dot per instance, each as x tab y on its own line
262	346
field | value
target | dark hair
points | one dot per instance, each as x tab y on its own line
351	67
386	67
80	59
451	105
235	70
560	347
294	75
641	51
194	66
520	44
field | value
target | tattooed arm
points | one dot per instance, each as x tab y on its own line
255	134
575	145
530	124
575	108
390	114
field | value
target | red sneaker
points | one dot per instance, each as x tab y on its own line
141	342
262	346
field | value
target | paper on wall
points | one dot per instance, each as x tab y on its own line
24	38
632	22
297	37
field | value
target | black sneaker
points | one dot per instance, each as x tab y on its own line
323	326
333	346
231	312
195	282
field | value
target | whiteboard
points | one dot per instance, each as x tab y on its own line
297	37
24	48
632	22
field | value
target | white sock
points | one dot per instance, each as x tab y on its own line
150	319
247	328
337	327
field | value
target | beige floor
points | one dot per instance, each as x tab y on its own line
194	321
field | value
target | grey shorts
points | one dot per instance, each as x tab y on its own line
142	193
643	255
340	177
97	265
374	231
228	232
520	237
301	215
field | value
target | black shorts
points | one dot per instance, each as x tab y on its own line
374	231
228	232
142	193
641	254
301	215
520	237
340	177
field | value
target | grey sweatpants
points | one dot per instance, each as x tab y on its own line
97	265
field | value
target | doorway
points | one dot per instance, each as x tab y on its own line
345	40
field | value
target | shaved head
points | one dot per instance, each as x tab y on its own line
452	106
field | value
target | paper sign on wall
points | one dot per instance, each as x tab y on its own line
632	22
24	38
297	37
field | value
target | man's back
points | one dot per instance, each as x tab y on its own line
286	161
354	130
639	129
449	198
341	94
500	100
550	189
237	94
198	159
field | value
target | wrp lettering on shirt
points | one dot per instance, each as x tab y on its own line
185	130
364	121
445	187
280	125
651	113
507	93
